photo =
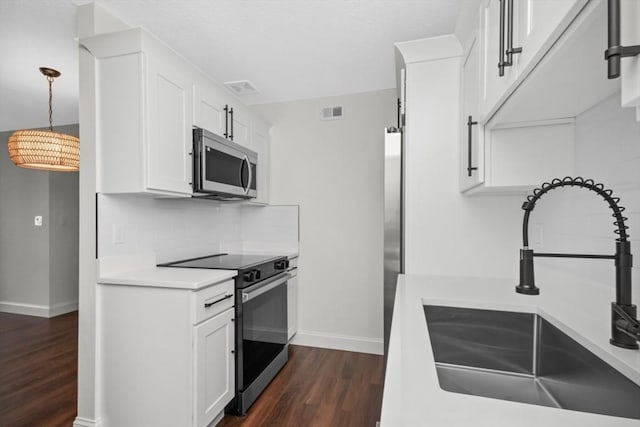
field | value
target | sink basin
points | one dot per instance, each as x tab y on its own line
522	357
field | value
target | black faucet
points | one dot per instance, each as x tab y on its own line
625	327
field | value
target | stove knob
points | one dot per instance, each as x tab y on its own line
249	276
282	265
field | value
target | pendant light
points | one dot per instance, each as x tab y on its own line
45	150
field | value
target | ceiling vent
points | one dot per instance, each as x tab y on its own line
241	87
332	113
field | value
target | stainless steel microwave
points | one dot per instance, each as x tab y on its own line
221	168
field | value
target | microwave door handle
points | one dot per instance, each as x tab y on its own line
244	159
250	175
245	163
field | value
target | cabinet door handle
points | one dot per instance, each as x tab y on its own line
209	304
510	50
231	114
470	168
226	121
614	51
501	63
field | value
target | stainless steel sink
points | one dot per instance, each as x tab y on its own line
522	357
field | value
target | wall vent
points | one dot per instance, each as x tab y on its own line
241	87
332	113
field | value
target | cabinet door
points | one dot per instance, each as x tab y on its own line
537	21
260	144
471	159
209	110
169	137
630	67
241	130
494	85
214	375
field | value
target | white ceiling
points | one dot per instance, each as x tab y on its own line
289	49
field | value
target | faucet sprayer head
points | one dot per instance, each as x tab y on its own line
527	284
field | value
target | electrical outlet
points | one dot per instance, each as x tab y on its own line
37	221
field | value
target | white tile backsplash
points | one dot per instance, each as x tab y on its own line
181	228
576	220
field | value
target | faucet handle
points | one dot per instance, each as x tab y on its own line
527	284
625	326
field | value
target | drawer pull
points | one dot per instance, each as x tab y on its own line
209	304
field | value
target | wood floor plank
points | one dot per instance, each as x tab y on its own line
38	370
319	388
316	388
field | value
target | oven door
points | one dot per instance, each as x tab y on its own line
264	335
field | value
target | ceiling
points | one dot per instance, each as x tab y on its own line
288	49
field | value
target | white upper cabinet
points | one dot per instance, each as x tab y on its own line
471	169
493	30
147	101
169	143
630	66
240	125
144	107
527	29
260	143
539	21
209	108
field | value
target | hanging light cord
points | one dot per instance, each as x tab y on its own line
50	80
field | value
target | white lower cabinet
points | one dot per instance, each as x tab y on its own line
167	354
214	367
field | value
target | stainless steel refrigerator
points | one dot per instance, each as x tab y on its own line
393	221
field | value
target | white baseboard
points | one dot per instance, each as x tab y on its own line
338	342
62	308
38	310
86	422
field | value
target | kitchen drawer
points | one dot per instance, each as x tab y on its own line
212	300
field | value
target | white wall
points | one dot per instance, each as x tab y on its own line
333	169
576	220
38	265
448	233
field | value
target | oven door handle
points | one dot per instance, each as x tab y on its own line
248	296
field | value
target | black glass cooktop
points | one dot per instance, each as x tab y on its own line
223	261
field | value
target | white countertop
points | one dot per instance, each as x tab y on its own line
169	277
412	395
140	270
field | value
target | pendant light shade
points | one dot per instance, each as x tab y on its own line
45	150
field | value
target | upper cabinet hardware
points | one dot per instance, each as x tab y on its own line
226	121
399	112
506	55
231	120
470	168
614	52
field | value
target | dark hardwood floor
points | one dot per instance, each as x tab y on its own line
317	387
38	370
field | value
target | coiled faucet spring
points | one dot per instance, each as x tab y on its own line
589	184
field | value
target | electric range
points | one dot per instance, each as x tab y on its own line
260	319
